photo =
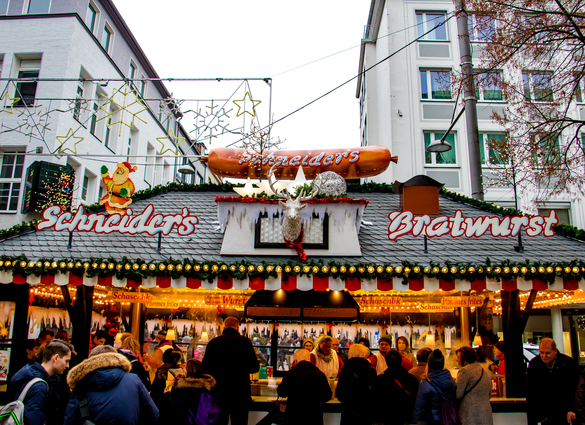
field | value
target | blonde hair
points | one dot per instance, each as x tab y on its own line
131	343
358	350
302	354
323	338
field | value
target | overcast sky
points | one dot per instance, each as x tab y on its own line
259	39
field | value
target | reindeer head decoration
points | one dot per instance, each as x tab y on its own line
291	223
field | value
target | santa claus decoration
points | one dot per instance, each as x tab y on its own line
120	188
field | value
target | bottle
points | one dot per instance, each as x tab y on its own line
263	373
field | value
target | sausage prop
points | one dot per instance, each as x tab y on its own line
351	163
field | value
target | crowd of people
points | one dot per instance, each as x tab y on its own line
391	386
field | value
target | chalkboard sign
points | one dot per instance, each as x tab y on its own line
48	184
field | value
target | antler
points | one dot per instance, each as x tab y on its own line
271	183
316	187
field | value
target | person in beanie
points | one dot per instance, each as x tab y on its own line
114	396
378	359
437	384
499	353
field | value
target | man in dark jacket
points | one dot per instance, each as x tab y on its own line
394	392
41	402
307	390
551	383
230	359
113	395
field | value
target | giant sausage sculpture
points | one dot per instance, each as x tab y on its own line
351	163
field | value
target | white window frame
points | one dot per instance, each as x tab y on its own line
13	179
474	35
107	30
531	75
484	146
92	7
27	5
427	24
428	72
143	86
481	89
27	67
132	70
6	10
433	138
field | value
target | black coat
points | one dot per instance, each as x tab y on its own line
307	390
181	404
230	359
393	395
550	394
353	391
137	368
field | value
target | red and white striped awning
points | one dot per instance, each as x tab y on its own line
302	283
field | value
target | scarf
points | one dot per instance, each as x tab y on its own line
325	357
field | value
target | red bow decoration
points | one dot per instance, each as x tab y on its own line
297	245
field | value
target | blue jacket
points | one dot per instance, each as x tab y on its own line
427	406
36	400
113	394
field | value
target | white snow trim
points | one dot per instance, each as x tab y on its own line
249	213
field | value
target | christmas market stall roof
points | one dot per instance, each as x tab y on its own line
194	261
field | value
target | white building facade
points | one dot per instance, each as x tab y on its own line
91	99
407	102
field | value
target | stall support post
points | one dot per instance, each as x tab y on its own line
465	336
556	319
135	319
81	322
514	322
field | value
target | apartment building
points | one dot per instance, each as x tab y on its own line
407	102
77	90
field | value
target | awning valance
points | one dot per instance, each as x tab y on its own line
303	283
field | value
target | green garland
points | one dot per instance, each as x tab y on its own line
138	270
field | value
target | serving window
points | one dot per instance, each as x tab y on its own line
268	232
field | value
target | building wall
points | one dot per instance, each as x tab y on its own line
395	115
65	48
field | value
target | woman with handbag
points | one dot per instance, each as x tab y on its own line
437	386
473	390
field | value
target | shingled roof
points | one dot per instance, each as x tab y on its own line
205	244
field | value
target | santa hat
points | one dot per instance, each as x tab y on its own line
127	165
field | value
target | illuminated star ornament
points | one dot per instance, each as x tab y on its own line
13	99
241	104
64	139
133	108
170	136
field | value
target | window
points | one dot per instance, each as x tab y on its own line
133	69
579	89
107	37
545	150
150	164
92	17
93	122
132	145
439	82
4	7
78	101
442	158
10	180
143	86
488	86
268	232
538	86
492	146
426	21
84	188
199	178
38	6
481	27
563	214
26	91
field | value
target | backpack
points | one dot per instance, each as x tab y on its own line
13	413
448	410
207	411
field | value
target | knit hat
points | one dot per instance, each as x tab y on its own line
436	360
500	346
387	338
